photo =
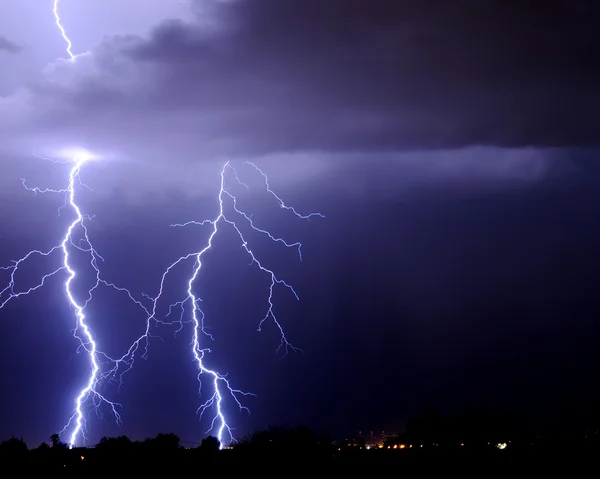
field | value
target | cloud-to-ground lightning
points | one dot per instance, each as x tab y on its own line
76	238
230	217
62	30
103	367
90	393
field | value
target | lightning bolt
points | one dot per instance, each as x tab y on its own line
231	218
76	238
102	366
83	333
62	30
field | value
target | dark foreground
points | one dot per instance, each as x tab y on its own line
457	459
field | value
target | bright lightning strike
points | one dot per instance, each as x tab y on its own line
90	394
76	238
62	30
220	385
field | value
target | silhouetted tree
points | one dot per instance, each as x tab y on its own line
121	442
14	449
55	440
163	441
43	447
210	445
41	456
285	440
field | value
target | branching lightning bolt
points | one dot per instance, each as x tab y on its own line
90	394
102	366
220	384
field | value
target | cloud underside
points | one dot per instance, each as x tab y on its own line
261	77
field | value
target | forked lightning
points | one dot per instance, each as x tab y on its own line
103	367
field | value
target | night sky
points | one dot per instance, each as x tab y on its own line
451	146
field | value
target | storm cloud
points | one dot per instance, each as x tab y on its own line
258	77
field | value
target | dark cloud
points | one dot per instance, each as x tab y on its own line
8	46
258	77
341	74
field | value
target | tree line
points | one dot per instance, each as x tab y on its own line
470	433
